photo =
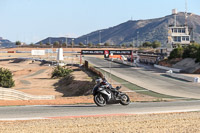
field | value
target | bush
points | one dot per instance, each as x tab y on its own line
176	53
190	51
6	78
60	72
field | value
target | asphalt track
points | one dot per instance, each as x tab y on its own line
91	110
150	79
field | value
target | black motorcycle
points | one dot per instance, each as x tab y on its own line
104	94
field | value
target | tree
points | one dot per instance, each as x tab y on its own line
48	44
41	43
198	55
123	45
90	44
106	44
176	53
191	51
99	45
64	44
18	43
147	44
81	44
56	44
131	45
6	78
156	44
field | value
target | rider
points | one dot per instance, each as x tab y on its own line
103	81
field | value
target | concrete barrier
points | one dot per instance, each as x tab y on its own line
123	62
11	94
187	78
167	68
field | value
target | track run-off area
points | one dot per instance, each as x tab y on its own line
148	79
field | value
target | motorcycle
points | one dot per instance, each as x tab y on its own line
104	94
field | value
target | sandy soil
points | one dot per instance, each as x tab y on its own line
151	123
32	78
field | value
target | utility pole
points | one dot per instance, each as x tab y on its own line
72	52
66	42
137	38
100	37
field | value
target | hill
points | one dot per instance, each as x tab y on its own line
6	43
142	30
54	39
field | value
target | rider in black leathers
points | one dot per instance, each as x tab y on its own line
104	83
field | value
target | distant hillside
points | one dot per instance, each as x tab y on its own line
6	43
142	30
51	40
4	40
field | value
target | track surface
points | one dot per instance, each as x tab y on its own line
149	78
39	112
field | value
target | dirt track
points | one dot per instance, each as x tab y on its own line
153	123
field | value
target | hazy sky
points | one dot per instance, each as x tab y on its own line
33	20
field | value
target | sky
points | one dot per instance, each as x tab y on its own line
33	20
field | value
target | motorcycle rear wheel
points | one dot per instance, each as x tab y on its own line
125	100
99	100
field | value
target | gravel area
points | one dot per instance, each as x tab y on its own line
151	123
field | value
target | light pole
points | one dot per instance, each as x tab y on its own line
72	51
100	37
66	42
137	38
87	39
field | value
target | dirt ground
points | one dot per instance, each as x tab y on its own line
34	78
148	123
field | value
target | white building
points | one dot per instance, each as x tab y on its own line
178	34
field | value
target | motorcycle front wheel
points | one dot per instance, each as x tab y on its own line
99	100
125	100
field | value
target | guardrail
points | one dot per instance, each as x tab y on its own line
167	68
179	76
123	62
11	94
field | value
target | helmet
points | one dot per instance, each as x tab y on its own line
98	81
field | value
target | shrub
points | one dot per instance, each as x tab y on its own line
176	53
60	71
6	78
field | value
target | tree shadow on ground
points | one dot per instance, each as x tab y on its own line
70	87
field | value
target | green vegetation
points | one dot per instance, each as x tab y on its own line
60	72
56	44
64	44
6	79
176	53
18	43
81	44
48	44
106	44
90	44
190	51
154	44
123	45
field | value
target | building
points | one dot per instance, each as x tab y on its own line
179	34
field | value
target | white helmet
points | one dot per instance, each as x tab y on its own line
98	81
